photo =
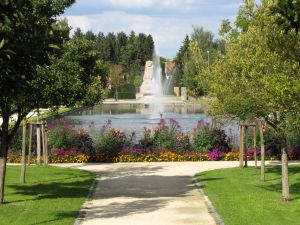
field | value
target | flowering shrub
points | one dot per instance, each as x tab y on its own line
231	156
215	154
161	156
207	137
166	142
294	153
67	156
110	141
83	142
166	136
60	135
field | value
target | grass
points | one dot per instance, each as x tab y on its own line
51	195
240	198
51	112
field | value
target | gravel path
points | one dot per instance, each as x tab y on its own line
148	194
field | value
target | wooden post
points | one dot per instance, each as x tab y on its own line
38	144
241	146
23	168
285	175
246	145
30	143
262	148
46	144
43	142
254	146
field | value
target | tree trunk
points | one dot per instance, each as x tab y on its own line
241	147
285	175
23	161
3	155
2	177
262	153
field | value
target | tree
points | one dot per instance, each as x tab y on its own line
290	13
78	33
28	37
116	78
76	77
90	36
256	79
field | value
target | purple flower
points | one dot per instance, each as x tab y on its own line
215	154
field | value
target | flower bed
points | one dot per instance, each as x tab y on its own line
165	142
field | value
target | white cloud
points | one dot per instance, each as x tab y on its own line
168	21
168	34
132	3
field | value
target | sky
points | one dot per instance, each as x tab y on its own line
168	21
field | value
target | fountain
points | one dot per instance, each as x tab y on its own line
151	90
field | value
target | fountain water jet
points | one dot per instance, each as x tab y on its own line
151	88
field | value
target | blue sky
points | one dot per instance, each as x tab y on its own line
168	21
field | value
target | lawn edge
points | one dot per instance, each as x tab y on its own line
81	214
211	209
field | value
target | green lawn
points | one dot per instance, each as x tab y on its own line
52	195
240	198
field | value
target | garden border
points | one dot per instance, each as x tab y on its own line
81	214
211	208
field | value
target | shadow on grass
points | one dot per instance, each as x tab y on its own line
54	190
275	184
59	217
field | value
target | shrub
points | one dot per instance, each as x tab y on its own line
207	137
83	142
215	154
170	137
61	135
294	153
110	141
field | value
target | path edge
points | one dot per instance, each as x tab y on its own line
81	214
211	209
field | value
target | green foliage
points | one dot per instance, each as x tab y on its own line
195	58
138	80
168	137
61	136
110	141
79	66
127	91
207	137
289	12
259	76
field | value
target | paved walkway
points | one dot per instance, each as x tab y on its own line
148	194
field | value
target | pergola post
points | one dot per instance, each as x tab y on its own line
241	155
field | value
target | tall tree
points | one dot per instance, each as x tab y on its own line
30	67
257	79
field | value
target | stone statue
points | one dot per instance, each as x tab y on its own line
148	71
148	87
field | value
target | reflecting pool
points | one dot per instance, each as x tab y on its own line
134	117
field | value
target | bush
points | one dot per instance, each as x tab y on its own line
83	142
170	137
61	135
126	91
110	141
207	137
